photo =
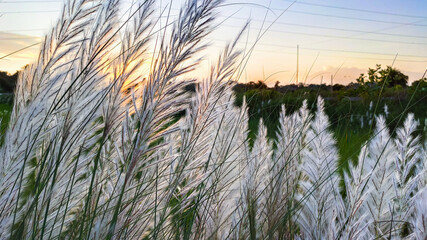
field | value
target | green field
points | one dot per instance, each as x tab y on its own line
345	108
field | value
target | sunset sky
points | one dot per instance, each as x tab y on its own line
335	37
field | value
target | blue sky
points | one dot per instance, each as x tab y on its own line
335	37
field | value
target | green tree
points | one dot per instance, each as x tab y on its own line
389	76
393	77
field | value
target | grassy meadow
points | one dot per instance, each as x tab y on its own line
94	148
346	115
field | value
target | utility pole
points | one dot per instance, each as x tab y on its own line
332	83
297	80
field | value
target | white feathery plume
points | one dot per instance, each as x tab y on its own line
63	137
88	94
419	219
249	218
303	119
380	162
58	52
117	124
238	228
355	218
208	151
421	169
284	172
39	139
198	159
255	186
223	184
161	97
408	156
319	193
39	84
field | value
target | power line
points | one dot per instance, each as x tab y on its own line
352	18
363	52
298	2
342	37
376	30
358	9
347	57
288	46
334	50
330	50
278	31
258	50
355	18
19	50
277	23
330	56
292	11
338	29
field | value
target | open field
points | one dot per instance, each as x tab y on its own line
111	137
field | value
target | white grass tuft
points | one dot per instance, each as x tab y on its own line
319	193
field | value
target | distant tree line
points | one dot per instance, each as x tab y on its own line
8	82
377	77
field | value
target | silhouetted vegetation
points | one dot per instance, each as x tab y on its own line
389	77
7	82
